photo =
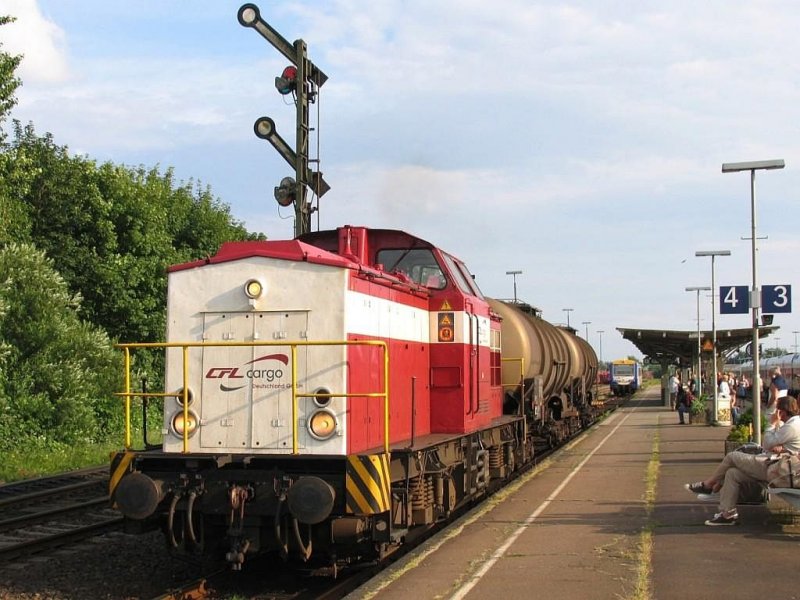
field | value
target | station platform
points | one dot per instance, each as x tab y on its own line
608	517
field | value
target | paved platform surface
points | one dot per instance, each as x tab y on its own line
608	517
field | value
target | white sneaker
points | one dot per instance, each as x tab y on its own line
712	497
722	518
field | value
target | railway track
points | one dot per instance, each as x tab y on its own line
40	514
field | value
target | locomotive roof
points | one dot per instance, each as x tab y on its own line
322	247
284	249
394	238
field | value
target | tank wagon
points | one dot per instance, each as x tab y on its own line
326	396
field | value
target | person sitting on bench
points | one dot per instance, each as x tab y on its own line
739	468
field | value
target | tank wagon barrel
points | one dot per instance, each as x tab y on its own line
554	359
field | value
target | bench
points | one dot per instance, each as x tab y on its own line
788	495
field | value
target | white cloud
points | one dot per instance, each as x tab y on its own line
42	42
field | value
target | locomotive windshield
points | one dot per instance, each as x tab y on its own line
418	264
623	370
464	279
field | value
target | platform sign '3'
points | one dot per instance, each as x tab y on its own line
776	298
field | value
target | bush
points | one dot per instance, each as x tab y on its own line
698	406
57	373
739	433
746	419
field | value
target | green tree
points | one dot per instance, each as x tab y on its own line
12	216
57	373
9	82
112	231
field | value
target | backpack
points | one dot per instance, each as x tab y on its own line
784	472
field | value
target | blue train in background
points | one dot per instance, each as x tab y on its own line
624	377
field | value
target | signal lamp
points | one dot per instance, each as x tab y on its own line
285	84
253	289
322	397
177	423
285	192
179	396
322	424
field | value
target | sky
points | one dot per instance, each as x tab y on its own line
580	142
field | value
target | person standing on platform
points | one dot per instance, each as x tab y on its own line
778	388
740	469
685	399
674	384
724	388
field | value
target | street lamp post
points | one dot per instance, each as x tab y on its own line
600	333
514	275
714	254
586	327
755	296
567	310
698	289
795	340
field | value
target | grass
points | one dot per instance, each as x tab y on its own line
29	462
644	566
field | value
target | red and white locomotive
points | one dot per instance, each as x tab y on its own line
326	395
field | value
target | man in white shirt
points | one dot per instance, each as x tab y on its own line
739	468
674	384
724	388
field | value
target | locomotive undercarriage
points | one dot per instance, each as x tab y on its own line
430	482
555	419
228	507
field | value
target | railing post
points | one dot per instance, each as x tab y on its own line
294	398
127	398
186	400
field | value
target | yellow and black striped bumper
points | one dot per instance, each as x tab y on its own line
368	484
120	466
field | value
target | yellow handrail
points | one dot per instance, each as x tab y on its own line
185	346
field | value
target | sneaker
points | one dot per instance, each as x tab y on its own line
722	518
712	497
698	488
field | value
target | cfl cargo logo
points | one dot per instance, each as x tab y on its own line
259	377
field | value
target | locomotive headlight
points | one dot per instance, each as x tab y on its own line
177	424
253	289
322	424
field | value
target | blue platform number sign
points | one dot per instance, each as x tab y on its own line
733	299
776	298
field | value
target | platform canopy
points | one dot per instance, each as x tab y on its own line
680	347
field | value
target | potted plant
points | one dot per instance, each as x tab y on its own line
739	434
746	418
697	411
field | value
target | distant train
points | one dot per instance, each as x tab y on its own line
624	376
327	395
788	363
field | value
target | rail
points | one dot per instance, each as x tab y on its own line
128	394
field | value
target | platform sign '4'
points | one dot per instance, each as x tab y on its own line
733	299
